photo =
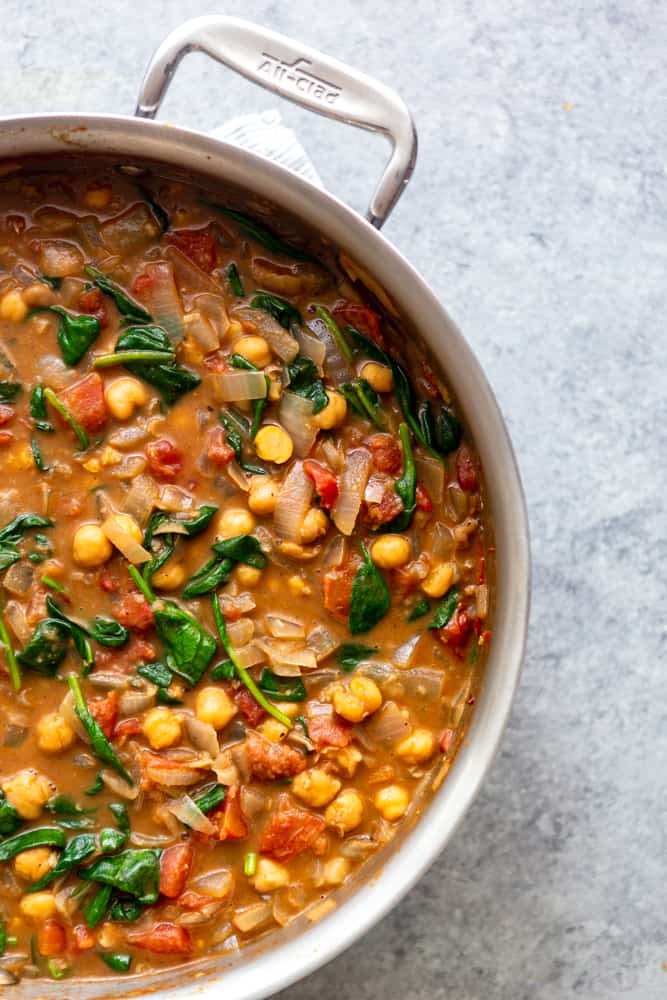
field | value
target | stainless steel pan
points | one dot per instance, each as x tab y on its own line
328	87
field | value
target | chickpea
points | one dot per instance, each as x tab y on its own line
98	197
418	747
335	871
12	306
38	906
348	760
391	551
274	730
298	586
123	396
392	802
235	521
162	728
171	576
90	546
439	579
254	349
54	733
248	576
273	444
35	862
270	875
38	294
235	329
262	495
315	524
378	376
27	791
214	706
315	787
345	812
359	700
334	413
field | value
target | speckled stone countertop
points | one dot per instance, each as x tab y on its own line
538	212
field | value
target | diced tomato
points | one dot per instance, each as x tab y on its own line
83	938
6	414
198	245
423	500
362	318
51	938
269	760
134	611
465	470
337	587
217	362
164	938
217	449
328	731
105	712
326	484
6	437
85	401
228	816
456	631
165	460
428	381
446	740
91	301
389	507
107	581
248	706
386	452
142	284
125	729
175	867
70	504
290	832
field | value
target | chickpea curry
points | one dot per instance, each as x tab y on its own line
243	549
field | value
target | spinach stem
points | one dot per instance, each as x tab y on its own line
142	584
14	669
242	673
335	332
128	357
81	435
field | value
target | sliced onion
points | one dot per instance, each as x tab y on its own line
124	542
297	417
423	683
388	725
189	813
431	474
239	603
288	657
202	735
19	578
134	702
238	476
293	501
119	786
173	776
225	769
284	628
357	847
404	655
129	437
109	679
190	278
335	364
132	229
441	544
171	528
250	655
458	501
59	259
201	330
241	632
163	301
129	467
253	802
231	387
352	485
240	759
334	454
334	554
139	839
279	340
321	642
212	307
310	346
321	709
375	488
250	917
216	884
481	600
175	500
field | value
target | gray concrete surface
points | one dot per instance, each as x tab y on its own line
538	211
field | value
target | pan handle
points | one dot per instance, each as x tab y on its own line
302	75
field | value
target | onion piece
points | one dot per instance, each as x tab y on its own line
212	308
171	528
388	725
250	655
241	603
334	454
109	679
134	702
138	839
404	655
163	301
284	628
59	259
128	437
251	917
131	230
334	554
335	364
481	600
321	642
189	813
441	542
375	488
431	474
279	340
253	802
241	632
231	387
19	578
352	485
423	683
293	502
289	654
190	279
216	884
172	776
202	735
310	346
175	500
141	499
201	330
124	542
297	417
119	786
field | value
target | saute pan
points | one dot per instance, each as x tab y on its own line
328	87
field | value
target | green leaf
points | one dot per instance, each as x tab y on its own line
197	524
47	647
258	406
157	673
188	645
406	486
99	743
112	840
15	530
370	599
262	234
9	391
305	381
58	968
282	688
109	632
170	378
350	654
445	609
62	805
236	429
38	410
235	280
116	960
119	812
76	334
335	332
281	310
45	836
78	632
126	909
9	554
223	671
364	400
420	609
96	910
78	849
10	821
212	575
126	306
241	548
96	787
210	798
53	283
136	872
68	417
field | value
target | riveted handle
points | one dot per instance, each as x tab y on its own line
302	75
